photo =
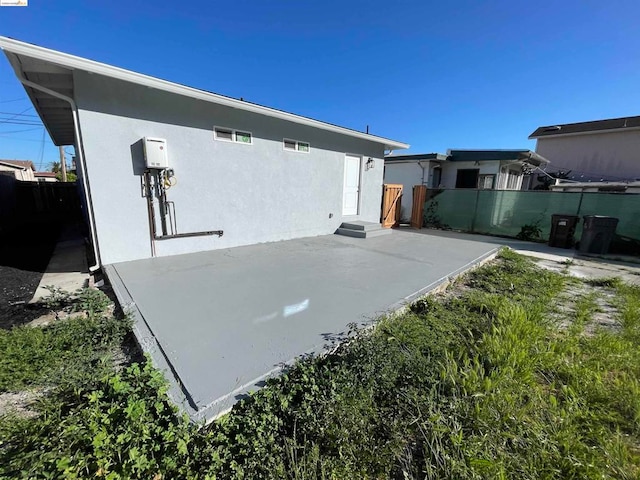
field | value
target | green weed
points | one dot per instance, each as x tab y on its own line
66	351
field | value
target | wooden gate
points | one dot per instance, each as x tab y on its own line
391	197
419	196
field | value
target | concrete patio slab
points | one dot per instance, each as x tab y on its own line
220	322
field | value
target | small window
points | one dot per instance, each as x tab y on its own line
230	135
243	137
467	178
296	146
222	134
486	182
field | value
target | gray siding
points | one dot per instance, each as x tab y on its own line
255	193
610	155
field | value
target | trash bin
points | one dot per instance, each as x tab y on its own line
597	233
563	228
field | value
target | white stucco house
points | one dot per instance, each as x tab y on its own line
600	150
409	170
168	169
482	169
22	170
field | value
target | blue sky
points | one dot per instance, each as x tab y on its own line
438	75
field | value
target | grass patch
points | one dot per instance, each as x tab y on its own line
73	350
481	384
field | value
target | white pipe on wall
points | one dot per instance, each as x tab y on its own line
79	153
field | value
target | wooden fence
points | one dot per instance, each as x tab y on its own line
53	201
419	196
391	198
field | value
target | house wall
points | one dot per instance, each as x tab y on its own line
450	171
510	178
9	171
18	173
407	174
611	155
255	193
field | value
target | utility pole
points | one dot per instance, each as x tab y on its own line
63	164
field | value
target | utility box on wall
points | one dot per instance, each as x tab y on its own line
155	153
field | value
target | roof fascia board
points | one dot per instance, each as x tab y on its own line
590	132
398	162
78	63
416	157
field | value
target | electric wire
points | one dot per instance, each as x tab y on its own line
15	115
41	150
19	114
19	122
13	139
20	131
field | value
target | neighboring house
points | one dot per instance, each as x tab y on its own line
254	173
491	169
601	150
482	169
22	170
410	170
46	177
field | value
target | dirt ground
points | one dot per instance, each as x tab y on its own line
604	314
590	267
24	256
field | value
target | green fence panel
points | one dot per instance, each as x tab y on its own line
625	207
505	212
451	209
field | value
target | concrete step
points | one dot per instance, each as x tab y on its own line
362	230
360	225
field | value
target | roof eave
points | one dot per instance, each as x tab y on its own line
418	157
15	64
534	158
72	62
587	132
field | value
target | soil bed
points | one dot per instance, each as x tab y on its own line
24	256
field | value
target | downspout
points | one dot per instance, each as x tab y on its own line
423	168
80	153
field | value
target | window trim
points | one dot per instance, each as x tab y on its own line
297	145
234	132
484	176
